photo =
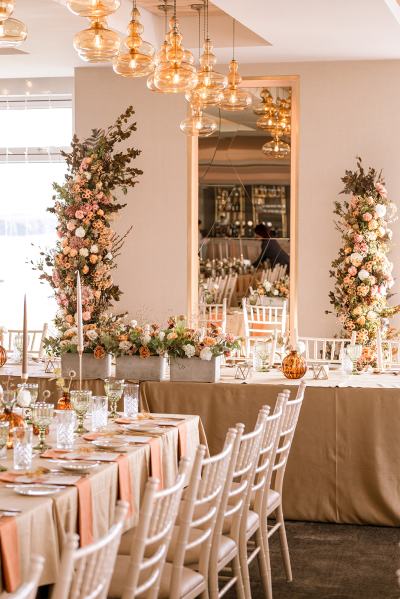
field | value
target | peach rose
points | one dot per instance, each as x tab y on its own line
99	352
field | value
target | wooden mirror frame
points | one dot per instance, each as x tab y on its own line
291	81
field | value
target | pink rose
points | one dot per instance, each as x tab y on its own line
352	271
367	216
79	214
86	315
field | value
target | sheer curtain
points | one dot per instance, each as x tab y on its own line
32	133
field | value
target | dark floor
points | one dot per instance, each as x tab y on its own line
332	561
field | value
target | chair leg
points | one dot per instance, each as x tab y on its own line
213	579
284	544
237	572
244	566
264	563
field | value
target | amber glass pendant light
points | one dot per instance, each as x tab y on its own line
93	9
138	60
276	149
98	43
177	74
234	98
12	31
198	124
161	54
6	9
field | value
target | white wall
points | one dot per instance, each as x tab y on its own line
346	109
152	269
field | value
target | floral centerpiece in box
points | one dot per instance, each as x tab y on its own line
195	354
140	352
273	293
362	270
85	206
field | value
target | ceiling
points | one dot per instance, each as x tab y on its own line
267	31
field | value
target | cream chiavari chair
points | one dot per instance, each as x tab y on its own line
215	313
391	355
324	350
138	574
86	572
261	322
28	588
290	418
35	340
230	289
232	510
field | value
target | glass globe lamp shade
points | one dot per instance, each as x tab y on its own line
6	9
134	63
175	78
209	89
235	99
198	124
266	105
276	149
267	122
12	33
93	9
98	43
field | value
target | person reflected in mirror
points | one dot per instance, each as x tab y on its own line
270	248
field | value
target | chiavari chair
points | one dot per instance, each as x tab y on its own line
215	313
35	340
28	588
324	350
262	321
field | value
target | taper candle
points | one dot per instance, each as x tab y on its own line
24	373
79	323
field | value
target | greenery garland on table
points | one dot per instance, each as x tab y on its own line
362	270
85	206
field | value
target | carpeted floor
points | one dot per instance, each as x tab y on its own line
332	561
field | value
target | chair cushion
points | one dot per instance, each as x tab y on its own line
252	521
274	499
189	581
193	555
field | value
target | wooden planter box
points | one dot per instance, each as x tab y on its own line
92	368
195	370
153	368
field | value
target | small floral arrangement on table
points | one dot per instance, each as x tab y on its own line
98	338
134	340
278	289
181	341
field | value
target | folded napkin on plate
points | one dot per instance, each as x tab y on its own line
9	550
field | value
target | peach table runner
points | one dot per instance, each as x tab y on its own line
9	547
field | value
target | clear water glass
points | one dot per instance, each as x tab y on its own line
42	415
22	440
261	356
4	430
131	401
354	352
99	412
65	428
114	389
80	401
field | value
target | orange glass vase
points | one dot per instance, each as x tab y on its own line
64	403
294	365
3	356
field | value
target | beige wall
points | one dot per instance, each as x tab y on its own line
153	264
346	108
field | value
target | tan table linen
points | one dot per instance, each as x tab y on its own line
44	521
345	461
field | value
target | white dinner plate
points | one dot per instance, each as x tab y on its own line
78	466
37	490
110	444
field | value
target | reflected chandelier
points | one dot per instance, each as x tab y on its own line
276	148
138	61
12	31
234	98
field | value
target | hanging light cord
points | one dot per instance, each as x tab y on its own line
233	38
199	11
207	17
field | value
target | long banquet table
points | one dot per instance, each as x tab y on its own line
41	526
345	461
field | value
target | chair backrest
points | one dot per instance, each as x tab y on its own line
230	288
28	588
262	321
324	350
199	511
152	536
289	422
35	340
215	313
267	453
86	572
391	354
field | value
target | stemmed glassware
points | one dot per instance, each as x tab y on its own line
354	352
114	389
81	402
4	431
42	415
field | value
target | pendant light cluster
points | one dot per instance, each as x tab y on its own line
275	119
12	31
171	69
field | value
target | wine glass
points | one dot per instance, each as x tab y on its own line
81	402
42	414
354	352
114	389
4	431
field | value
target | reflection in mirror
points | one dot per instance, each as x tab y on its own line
244	201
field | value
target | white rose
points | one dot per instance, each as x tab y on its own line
371	315
363	275
206	354
267	286
124	345
161	335
380	210
94	249
92	335
189	350
108	256
145	339
84	252
80	232
133	323
275	292
356	259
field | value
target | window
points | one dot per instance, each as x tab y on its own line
32	133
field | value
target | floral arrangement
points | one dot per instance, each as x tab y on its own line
181	341
224	266
279	288
98	338
85	206
134	340
362	271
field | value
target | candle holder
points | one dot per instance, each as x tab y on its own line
114	389
80	402
42	414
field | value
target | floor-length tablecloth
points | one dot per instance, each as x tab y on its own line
345	460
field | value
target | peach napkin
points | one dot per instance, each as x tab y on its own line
85	515
125	482
156	469
9	549
182	439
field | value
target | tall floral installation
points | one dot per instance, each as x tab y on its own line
85	206
362	270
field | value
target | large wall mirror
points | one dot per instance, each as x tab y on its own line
247	194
